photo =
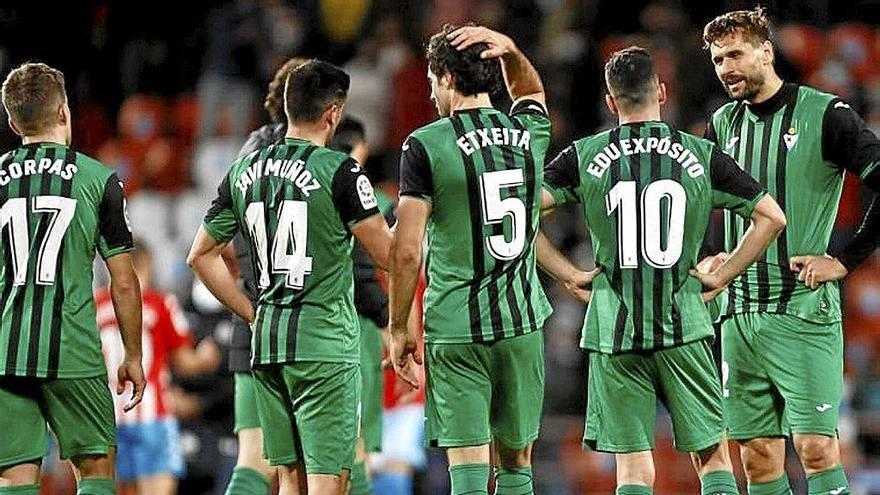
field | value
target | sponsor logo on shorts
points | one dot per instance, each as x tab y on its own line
823	408
837	491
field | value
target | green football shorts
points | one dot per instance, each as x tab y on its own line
309	413
371	385
79	411
783	375
480	392
623	391
245	398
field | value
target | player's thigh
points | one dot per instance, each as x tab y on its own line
21	421
517	373
326	398
752	405
81	414
274	407
805	361
371	385
245	402
458	395
690	388
621	403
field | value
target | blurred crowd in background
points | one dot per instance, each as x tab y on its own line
165	93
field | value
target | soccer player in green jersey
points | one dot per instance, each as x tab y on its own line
298	205
647	192
782	338
57	208
472	180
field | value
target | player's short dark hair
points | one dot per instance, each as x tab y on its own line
630	76
752	24
313	86
470	73
32	93
274	102
349	133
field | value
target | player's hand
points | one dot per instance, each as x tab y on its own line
499	44
713	284
131	371
405	356
580	284
816	270
708	265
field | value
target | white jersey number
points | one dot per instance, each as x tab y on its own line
289	245
622	199
496	209
14	213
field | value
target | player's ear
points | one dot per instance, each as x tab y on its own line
63	114
609	101
661	93
767	52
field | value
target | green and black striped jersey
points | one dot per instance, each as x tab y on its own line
294	203
482	171
647	192
797	145
57	207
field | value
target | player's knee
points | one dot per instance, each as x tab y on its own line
94	466
22	474
636	468
513	458
762	459
817	452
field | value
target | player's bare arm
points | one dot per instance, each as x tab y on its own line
125	291
521	78
406	261
768	220
577	282
205	259
374	234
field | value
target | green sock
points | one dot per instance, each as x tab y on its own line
246	481
634	490
360	482
96	486
516	481
779	486
20	490
470	479
718	483
831	482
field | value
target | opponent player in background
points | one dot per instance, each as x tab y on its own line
298	205
57	208
647	192
472	179
149	457
252	474
782	337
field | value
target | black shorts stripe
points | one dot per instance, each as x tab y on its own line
476	236
788	279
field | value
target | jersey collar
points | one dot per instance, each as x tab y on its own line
785	95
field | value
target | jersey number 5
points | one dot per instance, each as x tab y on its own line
496	209
622	198
14	214
292	229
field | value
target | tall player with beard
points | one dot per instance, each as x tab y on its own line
782	338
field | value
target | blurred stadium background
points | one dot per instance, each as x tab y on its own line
165	93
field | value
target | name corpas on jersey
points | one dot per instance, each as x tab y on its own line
292	170
494	136
32	167
633	146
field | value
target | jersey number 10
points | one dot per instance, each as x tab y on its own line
622	198
292	229
14	214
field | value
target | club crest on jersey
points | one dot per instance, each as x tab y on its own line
365	193
790	138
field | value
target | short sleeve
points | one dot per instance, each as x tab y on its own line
561	177
113	222
415	170
732	188
353	194
220	221
535	118
849	144
710	133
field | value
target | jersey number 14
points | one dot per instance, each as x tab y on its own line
622	199
288	247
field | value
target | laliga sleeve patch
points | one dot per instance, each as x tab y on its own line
365	193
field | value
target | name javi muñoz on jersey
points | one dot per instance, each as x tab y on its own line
294	203
482	172
647	192
780	143
57	207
